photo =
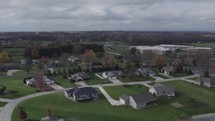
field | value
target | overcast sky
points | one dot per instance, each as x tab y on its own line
90	15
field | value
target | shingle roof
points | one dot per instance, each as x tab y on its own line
124	97
81	91
114	73
146	97
163	88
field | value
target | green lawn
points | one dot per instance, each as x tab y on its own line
99	110
2	104
96	80
63	82
203	95
15	84
117	91
181	74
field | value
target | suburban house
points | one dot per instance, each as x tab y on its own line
53	118
9	66
112	74
80	94
206	81
138	101
30	81
145	72
73	59
81	76
168	70
23	61
162	90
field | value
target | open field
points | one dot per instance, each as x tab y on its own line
99	110
15	84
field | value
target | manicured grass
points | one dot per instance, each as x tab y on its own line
99	110
63	82
15	84
195	78
203	95
96	80
117	91
181	74
135	79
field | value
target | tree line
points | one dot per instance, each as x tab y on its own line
56	51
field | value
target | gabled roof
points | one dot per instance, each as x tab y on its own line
113	73
81	91
210	80
124	97
80	75
169	68
163	88
146	97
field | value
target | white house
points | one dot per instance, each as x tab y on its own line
112	74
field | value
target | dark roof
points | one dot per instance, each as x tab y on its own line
210	80
124	97
80	75
146	97
81	91
163	88
115	73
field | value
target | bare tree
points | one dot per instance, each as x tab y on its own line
107	60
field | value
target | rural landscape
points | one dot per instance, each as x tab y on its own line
99	60
90	80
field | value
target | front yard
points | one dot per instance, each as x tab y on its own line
117	91
15	84
99	110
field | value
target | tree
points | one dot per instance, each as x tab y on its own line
107	60
76	50
206	74
39	81
160	62
48	111
147	57
89	56
35	54
41	66
28	66
43	60
22	114
4	57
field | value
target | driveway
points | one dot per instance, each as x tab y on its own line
7	110
10	72
111	100
115	81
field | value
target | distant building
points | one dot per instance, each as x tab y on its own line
144	72
73	59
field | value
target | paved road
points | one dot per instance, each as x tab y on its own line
204	117
7	110
111	100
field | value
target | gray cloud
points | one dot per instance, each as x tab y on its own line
72	15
